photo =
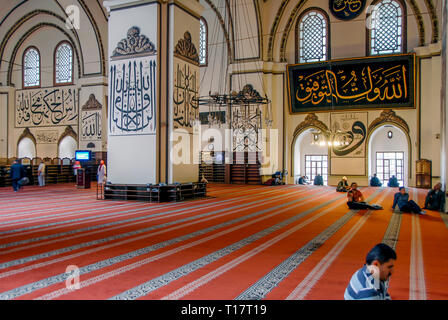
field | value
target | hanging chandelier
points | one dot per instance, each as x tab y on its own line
245	108
329	138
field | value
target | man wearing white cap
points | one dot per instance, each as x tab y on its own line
342	185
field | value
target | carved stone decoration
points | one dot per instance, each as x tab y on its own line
68	132
311	120
389	116
248	94
186	49
92	104
47	136
135	43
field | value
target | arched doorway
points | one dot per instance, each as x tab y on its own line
389	154
310	158
67	147
26	148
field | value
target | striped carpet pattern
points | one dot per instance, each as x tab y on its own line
242	242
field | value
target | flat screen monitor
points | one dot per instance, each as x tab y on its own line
83	155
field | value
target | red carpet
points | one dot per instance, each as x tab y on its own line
243	242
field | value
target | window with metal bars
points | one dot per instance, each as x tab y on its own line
386	28
312	40
31	68
203	42
63	64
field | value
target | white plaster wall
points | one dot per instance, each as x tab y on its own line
430	127
213	77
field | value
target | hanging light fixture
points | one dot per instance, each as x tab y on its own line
329	138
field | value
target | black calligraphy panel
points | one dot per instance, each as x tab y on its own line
185	97
132	96
91	125
346	9
46	107
377	82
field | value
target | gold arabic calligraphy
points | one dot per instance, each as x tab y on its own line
352	5
369	86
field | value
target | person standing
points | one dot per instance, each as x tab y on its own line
435	199
17	172
401	199
371	281
41	174
101	173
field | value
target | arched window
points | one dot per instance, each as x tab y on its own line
312	36
386	28
203	42
63	63
31	67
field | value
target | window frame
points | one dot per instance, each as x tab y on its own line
404	19
23	68
206	41
54	64
297	33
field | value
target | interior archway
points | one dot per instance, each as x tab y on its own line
309	159
26	149
67	147
389	154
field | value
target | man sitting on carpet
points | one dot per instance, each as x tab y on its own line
375	182
371	281
342	185
356	200
318	180
393	182
401	199
435	200
302	180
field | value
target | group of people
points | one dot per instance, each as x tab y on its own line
19	177
435	199
318	180
393	182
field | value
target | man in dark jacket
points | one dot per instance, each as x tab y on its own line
318	180
435	200
393	182
375	182
17	172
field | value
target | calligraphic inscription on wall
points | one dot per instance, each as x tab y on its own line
186	88
46	107
91	120
91	129
132	94
347	9
378	82
351	134
47	136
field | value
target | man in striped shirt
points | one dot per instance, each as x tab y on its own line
371	281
